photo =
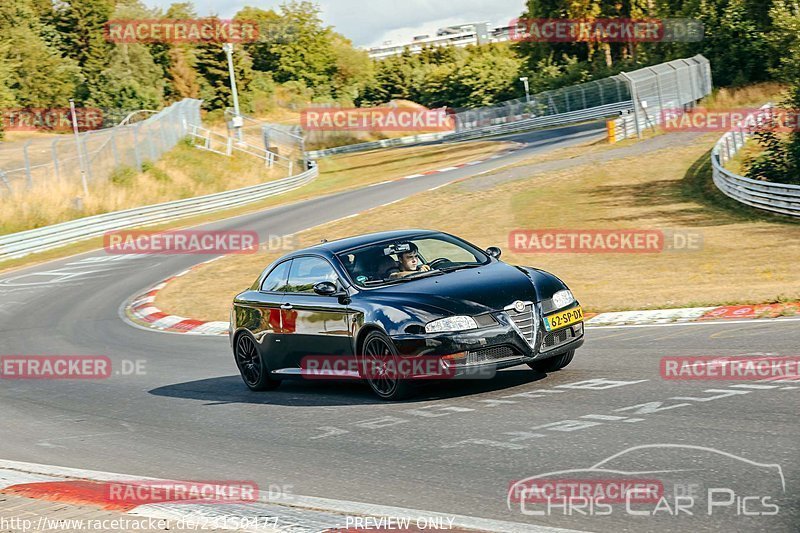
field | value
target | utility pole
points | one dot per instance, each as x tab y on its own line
237	121
81	162
524	81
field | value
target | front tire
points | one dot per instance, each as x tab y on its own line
379	352
255	373
552	364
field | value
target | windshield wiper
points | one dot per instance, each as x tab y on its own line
459	267
410	277
418	275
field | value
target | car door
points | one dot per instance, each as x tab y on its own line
260	312
313	324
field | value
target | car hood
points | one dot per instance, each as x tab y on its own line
469	291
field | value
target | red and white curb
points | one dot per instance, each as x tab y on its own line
143	311
269	512
693	314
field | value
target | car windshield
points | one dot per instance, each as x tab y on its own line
409	259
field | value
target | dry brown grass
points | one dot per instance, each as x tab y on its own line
750	96
183	172
742	260
337	174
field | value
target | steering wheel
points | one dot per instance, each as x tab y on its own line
438	261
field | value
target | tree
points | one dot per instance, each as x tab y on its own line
131	81
7	98
178	60
81	25
37	74
212	65
734	43
300	48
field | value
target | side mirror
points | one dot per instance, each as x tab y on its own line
325	288
494	251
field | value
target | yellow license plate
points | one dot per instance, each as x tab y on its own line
564	318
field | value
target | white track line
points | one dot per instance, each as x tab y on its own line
19	472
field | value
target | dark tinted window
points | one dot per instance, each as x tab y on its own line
307	272
276	280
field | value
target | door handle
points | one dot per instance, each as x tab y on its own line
286	306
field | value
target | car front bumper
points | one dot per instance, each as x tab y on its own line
484	350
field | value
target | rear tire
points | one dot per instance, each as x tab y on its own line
379	349
255	373
552	364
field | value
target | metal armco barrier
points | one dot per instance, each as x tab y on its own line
640	97
594	113
50	237
384	143
776	197
573	117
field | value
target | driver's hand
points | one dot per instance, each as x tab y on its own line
424	268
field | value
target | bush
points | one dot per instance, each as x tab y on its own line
123	176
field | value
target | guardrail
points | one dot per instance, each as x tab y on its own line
572	117
776	197
643	93
512	126
374	145
50	237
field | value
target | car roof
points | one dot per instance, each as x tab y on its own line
348	243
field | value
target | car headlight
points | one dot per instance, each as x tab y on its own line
563	299
451	323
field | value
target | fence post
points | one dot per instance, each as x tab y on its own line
114	147
635	100
660	97
677	85
136	155
54	151
86	159
728	148
27	164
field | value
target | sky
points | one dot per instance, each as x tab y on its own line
371	22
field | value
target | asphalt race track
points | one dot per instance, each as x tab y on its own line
455	448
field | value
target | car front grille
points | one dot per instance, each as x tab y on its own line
525	321
490	355
554	339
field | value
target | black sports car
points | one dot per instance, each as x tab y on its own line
387	299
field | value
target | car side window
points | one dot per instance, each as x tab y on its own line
307	272
276	280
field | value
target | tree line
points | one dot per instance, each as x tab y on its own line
53	50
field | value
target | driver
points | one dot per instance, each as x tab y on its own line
409	262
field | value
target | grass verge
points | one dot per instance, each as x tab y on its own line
746	256
337	173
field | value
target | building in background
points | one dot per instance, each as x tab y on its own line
460	35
